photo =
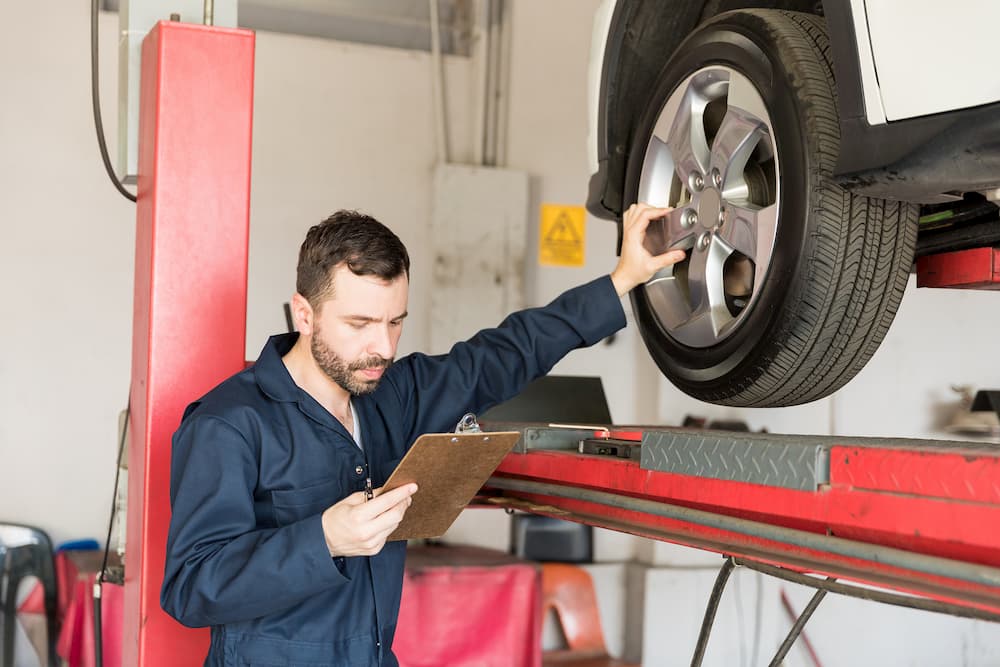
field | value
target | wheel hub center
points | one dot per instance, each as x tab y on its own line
709	207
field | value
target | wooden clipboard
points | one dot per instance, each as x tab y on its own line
449	468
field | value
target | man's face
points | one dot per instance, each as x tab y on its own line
356	331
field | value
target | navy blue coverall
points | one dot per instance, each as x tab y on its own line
257	460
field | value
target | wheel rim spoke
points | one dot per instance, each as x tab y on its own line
708	313
743	97
766	230
737	138
667	298
658	168
686	139
699	327
739	231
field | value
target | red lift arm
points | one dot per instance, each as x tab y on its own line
911	515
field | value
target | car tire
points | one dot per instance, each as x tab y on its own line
822	271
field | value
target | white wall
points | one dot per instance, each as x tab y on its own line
335	126
941	337
340	125
66	254
550	47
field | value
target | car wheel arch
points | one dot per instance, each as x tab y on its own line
630	69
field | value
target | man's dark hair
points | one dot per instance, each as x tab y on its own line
366	245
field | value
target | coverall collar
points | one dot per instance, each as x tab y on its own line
270	372
276	382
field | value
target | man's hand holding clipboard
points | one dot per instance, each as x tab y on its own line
422	498
360	524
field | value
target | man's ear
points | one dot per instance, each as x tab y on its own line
302	315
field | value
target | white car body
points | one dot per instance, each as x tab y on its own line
907	68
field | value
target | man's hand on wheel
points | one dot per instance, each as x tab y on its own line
636	264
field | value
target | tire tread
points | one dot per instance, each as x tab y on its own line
859	252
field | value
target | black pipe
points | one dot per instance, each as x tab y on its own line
883	597
713	606
797	627
941	567
98	637
95	99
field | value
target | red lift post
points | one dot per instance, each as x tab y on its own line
189	330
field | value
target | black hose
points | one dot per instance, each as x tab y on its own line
98	643
906	560
99	581
713	606
95	98
859	592
797	627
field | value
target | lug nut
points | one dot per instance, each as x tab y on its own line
716	178
697	182
704	240
689	219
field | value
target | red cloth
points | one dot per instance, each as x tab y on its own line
76	610
467	606
460	606
76	639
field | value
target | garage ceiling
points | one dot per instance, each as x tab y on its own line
401	24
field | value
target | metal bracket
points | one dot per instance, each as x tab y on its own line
622	449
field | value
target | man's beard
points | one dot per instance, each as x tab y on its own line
342	372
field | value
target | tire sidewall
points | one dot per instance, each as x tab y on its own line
737	41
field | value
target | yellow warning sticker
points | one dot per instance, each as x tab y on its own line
562	233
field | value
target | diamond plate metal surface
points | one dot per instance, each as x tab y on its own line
792	462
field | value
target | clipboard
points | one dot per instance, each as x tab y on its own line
449	468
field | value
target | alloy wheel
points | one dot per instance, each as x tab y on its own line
711	158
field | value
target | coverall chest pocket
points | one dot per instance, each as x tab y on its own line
291	505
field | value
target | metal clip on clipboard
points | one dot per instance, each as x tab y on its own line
468	424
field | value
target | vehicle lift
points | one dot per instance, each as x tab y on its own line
917	517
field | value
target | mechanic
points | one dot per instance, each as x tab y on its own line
277	538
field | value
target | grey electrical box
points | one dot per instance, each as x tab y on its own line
135	19
478	235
